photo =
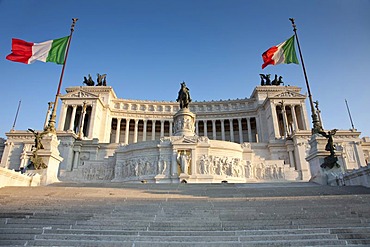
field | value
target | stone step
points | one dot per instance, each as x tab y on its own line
268	238
89	243
181	215
198	239
13	243
189	233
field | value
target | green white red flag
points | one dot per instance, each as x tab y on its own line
48	51
282	53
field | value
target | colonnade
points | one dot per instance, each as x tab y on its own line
77	118
289	118
286	118
126	130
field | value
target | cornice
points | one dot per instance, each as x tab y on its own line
93	89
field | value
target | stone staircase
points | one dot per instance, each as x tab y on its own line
268	214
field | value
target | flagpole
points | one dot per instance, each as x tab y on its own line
315	120
52	121
349	113
16	115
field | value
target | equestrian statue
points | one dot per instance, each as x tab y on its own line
184	96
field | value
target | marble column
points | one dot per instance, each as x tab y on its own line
62	119
240	130
275	120
197	128
144	129
231	130
305	121
259	131
92	120
73	117
205	127
136	130
153	130
214	130
162	128
222	129
249	129
295	123
118	130
171	124
285	121
127	130
81	126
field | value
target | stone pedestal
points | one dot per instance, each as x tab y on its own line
50	156
184	178
318	156
184	123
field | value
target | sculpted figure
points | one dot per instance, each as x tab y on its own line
101	80
277	81
88	81
38	138
164	167
330	161
183	160
330	145
265	79
184	96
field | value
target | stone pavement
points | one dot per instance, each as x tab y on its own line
135	215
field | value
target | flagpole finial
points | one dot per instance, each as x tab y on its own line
293	24
74	20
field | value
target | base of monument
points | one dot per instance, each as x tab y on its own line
161	179
328	176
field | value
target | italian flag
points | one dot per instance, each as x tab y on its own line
282	53
48	51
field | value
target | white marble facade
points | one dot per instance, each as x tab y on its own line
106	138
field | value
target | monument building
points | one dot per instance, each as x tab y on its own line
264	137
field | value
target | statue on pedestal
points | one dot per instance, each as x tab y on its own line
38	137
266	81
331	160
184	96
183	160
36	161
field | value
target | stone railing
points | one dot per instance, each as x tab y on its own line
359	176
13	178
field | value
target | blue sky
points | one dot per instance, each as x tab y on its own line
148	47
